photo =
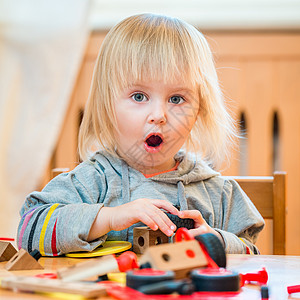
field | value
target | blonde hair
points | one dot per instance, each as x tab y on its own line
161	47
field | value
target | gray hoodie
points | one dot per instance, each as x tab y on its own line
58	219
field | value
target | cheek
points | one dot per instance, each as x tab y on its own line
128	125
185	119
192	115
123	119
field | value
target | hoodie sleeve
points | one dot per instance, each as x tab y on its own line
58	219
241	222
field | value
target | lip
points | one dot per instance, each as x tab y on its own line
153	149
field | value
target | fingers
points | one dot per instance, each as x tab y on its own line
201	226
157	219
192	214
206	229
147	220
147	211
166	205
199	230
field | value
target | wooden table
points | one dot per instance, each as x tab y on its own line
283	271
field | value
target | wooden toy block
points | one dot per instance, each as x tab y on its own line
99	266
22	260
178	257
7	251
34	284
144	237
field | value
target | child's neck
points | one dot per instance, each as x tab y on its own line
157	173
150	170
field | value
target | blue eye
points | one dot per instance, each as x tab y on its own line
139	97
176	100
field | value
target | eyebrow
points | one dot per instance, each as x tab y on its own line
186	90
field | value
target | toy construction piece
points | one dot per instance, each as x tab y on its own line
210	245
264	292
215	280
181	257
293	289
260	277
144	237
181	223
126	293
181	287
222	280
34	284
214	248
153	282
7	250
109	247
47	275
138	278
217	284
22	260
119	277
178	257
97	267
7	239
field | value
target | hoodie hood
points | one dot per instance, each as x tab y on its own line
188	171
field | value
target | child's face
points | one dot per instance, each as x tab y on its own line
154	120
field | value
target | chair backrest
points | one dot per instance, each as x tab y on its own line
268	193
57	171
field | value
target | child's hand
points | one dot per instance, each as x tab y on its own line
201	226
143	210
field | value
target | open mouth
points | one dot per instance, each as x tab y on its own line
154	140
153	143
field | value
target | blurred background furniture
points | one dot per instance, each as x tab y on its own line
268	193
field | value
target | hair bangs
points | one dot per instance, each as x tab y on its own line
156	48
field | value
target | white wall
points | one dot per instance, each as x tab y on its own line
205	14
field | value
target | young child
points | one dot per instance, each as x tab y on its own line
154	100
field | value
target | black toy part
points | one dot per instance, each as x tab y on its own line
214	248
215	280
182	287
179	222
138	278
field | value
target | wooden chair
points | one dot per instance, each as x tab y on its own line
268	193
57	171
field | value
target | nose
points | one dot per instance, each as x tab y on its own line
157	114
